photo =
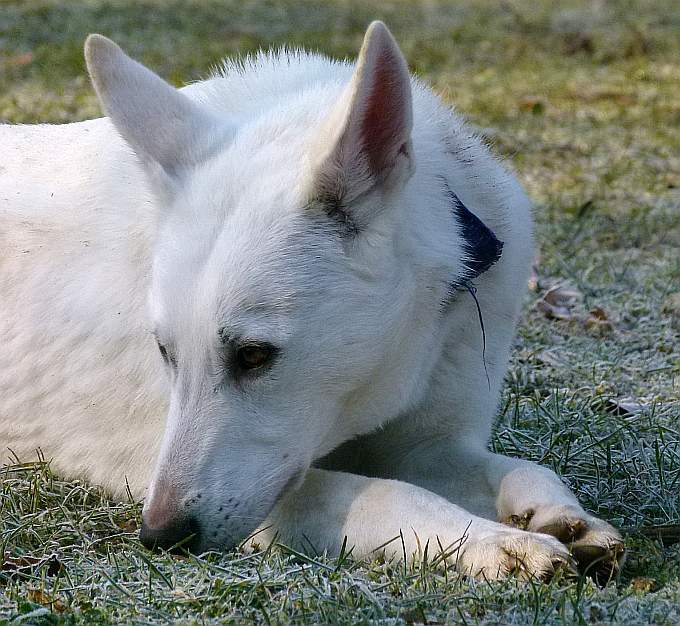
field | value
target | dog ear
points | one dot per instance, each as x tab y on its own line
166	129
367	141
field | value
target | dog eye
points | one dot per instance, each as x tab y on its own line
255	356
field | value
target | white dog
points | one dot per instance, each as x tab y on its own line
270	285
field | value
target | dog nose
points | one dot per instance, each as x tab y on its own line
179	535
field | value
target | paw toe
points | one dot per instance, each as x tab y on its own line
597	547
537	558
525	555
600	555
564	528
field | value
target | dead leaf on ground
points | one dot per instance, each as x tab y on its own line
40	597
553	312
18	60
624	407
558	302
129	525
17	564
644	584
11	563
598	320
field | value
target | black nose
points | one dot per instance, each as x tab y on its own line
181	535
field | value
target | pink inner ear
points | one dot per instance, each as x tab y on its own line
384	125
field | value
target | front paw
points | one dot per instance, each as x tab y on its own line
504	553
597	546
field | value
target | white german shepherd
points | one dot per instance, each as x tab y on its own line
260	297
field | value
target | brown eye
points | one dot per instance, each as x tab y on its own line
254	356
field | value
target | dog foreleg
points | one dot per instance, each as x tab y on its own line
533	497
401	520
524	495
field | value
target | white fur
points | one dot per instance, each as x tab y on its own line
207	205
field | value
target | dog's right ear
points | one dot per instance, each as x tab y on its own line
168	131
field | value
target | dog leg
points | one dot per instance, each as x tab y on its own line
525	496
534	498
400	520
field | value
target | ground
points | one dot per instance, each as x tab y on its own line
582	99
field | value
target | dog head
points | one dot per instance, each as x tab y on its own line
287	303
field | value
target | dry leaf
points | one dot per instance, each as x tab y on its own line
19	563
598	321
644	584
129	525
18	60
557	303
554	312
561	295
625	407
14	563
40	597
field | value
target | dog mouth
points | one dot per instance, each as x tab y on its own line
289	486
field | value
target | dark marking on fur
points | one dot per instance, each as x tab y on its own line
459	151
483	250
482	247
331	203
168	356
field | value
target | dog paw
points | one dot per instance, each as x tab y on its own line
506	553
597	547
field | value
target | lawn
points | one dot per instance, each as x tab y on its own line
582	99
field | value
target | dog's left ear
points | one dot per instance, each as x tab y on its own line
366	143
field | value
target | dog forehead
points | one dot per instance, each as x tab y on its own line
258	257
240	228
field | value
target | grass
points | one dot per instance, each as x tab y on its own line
583	99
